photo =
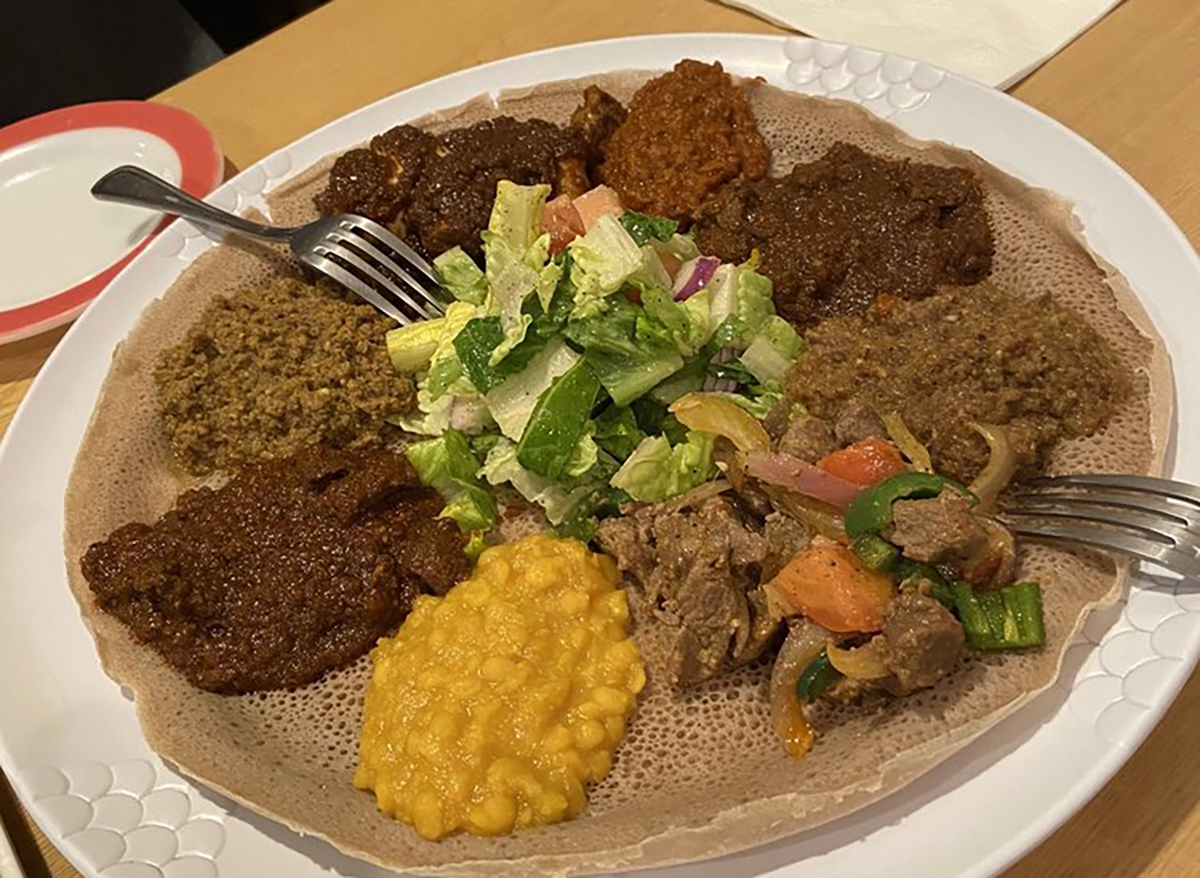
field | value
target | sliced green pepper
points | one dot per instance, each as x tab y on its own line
911	573
1025	623
816	678
871	509
876	552
1010	618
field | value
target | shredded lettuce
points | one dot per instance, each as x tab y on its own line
657	470
517	216
475	546
688	325
433	417
652	272
460	276
698	308
448	465
682	247
628	350
584	519
515	256
474	345
755	302
445	369
512	402
585	456
482	335
741	303
507	291
644	228
410	347
687	380
547	284
558	423
772	351
602	260
654	419
556	498
760	404
560	369
617	431
413	347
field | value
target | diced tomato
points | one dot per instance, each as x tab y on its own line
562	221
866	462
827	583
597	202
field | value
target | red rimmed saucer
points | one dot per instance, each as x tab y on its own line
60	247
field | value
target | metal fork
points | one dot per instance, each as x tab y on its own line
358	253
1156	520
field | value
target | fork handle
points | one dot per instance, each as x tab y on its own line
130	185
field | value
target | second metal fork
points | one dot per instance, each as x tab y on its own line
358	253
1155	520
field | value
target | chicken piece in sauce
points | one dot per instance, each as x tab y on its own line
436	191
377	181
596	119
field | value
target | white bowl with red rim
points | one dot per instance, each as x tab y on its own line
59	246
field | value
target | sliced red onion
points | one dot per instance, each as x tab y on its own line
693	275
719	385
722	385
725	354
800	476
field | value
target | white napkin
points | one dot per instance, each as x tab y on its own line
994	41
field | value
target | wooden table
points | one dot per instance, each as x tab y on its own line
1131	85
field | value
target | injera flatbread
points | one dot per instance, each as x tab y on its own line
700	774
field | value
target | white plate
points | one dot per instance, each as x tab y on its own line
48	164
71	743
50	177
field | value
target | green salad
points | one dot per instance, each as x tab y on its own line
553	373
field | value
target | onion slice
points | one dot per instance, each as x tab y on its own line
804	642
993	566
819	516
708	413
910	446
862	663
802	477
1000	466
693	275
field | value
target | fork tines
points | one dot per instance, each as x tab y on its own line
1157	520
364	256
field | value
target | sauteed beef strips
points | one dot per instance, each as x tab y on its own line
920	643
807	438
436	191
941	530
688	133
292	569
835	233
698	565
